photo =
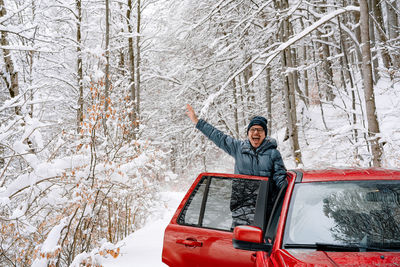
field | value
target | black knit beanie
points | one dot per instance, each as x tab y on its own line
258	120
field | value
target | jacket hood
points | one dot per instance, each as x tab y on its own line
268	143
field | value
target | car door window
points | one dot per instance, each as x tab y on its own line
190	215
221	203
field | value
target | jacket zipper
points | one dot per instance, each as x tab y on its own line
258	163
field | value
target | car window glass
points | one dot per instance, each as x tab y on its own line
191	213
222	203
357	212
217	212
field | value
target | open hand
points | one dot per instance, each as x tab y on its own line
191	114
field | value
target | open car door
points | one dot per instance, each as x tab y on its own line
200	232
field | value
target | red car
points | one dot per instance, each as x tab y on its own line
321	218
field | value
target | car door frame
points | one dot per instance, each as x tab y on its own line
259	219
272	258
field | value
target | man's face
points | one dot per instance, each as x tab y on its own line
256	135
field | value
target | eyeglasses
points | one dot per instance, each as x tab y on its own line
253	130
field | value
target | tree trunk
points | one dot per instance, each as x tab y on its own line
122	50
295	75
131	63
356	18
268	94
392	19
249	92
393	28
318	84
235	108
343	50
10	76
374	53
289	91
373	126
241	98
138	22
305	72
107	68
290	107
377	11
204	153
174	154
324	54
79	115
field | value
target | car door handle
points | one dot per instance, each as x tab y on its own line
253	257
189	242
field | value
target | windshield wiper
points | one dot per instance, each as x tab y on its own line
341	248
325	247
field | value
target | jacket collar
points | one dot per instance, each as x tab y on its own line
268	143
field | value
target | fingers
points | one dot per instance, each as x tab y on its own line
191	114
189	108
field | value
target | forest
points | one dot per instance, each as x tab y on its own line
93	96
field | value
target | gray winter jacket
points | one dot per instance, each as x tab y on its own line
263	161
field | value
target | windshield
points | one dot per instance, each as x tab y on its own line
344	213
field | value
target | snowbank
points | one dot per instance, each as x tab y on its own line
144	247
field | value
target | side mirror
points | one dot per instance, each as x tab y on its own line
247	237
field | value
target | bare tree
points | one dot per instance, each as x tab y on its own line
323	52
79	65
235	108
138	58
373	126
131	64
10	76
289	86
268	98
375	60
107	68
392	19
376	7
393	27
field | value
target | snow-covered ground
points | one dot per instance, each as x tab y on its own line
144	247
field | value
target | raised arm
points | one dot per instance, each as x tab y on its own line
223	141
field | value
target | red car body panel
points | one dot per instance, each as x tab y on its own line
320	258
215	249
215	246
347	175
365	258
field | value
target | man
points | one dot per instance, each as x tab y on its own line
255	156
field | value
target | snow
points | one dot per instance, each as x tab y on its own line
43	171
50	244
144	247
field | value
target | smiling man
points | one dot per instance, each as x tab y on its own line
257	155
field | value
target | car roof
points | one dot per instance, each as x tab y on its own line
325	175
